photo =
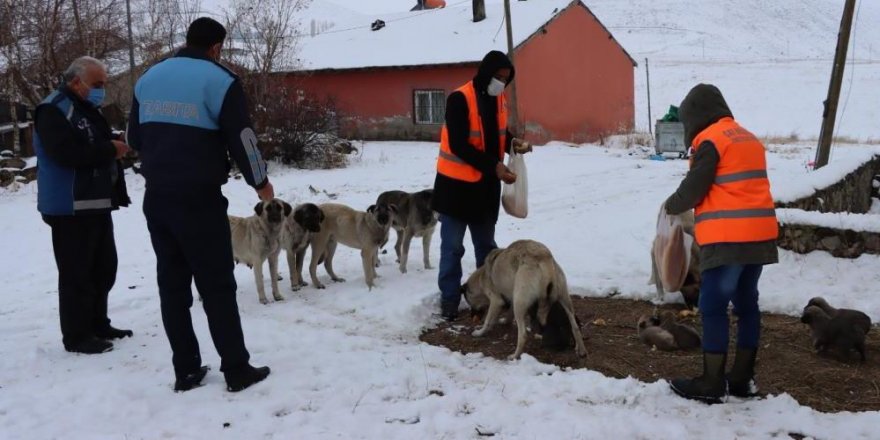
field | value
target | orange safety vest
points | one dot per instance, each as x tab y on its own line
450	165
738	207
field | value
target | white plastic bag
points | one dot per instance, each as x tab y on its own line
671	252
515	197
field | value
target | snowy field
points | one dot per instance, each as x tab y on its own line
347	363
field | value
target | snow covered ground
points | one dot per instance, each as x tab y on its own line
347	363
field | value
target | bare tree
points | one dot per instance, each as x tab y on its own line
266	31
39	38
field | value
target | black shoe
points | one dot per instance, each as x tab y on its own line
240	379
449	311
741	380
91	345
191	380
709	388
113	333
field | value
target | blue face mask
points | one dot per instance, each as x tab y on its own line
96	96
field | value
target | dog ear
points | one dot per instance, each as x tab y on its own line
392	207
287	208
258	208
298	216
320	215
371	209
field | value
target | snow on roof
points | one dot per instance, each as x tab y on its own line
428	37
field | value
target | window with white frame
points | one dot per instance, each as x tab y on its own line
429	106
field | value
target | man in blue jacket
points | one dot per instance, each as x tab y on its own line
80	181
188	116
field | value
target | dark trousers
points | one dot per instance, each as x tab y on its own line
452	250
85	254
190	235
737	284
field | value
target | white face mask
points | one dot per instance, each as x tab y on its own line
496	86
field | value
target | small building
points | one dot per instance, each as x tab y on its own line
574	80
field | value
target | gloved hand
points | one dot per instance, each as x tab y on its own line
521	146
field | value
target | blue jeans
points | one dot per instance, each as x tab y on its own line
721	286
452	249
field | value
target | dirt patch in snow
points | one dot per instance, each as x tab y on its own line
786	362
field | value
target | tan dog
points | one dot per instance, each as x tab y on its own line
356	229
295	238
256	238
525	275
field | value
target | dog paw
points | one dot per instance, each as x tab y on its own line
338	280
279	298
296	287
264	301
428	267
513	357
320	286
478	333
402	269
582	352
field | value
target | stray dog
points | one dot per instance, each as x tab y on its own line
295	237
666	334
524	274
256	238
356	229
857	318
839	332
414	218
686	338
653	335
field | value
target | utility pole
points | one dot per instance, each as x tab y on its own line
130	46
512	108
823	153
648	80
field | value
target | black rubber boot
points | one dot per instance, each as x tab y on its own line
709	388
191	380
91	345
113	333
242	378
449	311
741	380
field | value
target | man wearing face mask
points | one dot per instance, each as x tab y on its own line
470	168
188	116
80	182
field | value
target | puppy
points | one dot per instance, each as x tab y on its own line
838	332
524	274
356	229
857	318
295	237
414	218
256	238
686	338
653	335
556	334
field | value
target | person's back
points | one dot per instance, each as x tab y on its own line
188	115
181	104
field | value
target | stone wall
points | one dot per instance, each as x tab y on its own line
838	242
852	194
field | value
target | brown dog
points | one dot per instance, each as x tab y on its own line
524	274
295	237
256	239
363	230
